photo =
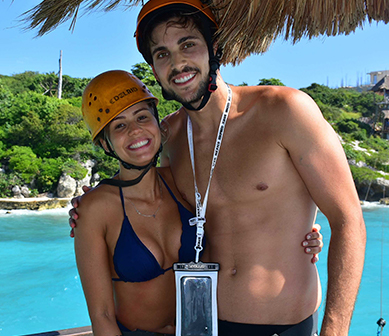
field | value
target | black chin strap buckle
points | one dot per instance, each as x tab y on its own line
212	87
212	83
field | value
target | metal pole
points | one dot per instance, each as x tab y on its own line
59	94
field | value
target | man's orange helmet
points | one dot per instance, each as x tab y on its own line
154	8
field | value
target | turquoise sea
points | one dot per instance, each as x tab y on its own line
40	289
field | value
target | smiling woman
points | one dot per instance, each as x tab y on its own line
127	239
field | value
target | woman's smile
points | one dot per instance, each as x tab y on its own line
139	144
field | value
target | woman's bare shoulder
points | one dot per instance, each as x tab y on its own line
99	203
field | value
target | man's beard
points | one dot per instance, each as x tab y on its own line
196	97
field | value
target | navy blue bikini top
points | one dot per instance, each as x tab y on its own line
134	262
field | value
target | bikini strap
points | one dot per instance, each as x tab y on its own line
167	187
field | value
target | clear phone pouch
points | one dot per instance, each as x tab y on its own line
196	298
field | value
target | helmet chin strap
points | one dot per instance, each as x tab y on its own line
129	183
127	165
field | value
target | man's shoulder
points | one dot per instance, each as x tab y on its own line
166	173
172	124
276	100
174	117
270	93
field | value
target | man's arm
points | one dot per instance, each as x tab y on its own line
320	160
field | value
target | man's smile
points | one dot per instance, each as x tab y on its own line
183	79
184	76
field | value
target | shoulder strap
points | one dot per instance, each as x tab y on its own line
167	187
122	199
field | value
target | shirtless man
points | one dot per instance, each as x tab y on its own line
279	159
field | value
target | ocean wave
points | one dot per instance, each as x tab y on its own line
23	212
373	205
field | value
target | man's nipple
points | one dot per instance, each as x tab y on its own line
262	186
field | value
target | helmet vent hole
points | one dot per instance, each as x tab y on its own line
90	95
90	103
107	111
100	110
98	119
95	98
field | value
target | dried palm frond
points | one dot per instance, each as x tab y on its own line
50	13
253	25
245	26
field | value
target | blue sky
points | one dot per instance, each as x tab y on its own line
103	41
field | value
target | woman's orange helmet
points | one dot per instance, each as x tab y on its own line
108	95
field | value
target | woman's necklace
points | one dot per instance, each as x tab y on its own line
159	206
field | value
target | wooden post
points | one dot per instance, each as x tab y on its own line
59	94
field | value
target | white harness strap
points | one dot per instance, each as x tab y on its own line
201	208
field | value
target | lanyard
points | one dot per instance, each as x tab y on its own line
201	208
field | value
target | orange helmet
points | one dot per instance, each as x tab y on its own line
108	95
154	8
155	11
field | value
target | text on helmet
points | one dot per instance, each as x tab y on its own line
122	94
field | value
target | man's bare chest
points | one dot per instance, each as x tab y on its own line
244	170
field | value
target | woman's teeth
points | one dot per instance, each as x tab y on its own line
139	144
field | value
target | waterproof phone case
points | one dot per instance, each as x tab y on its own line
196	298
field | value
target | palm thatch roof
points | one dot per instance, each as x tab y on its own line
246	26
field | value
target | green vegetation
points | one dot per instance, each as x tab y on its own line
270	81
43	137
352	115
362	174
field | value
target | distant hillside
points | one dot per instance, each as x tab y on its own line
42	137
